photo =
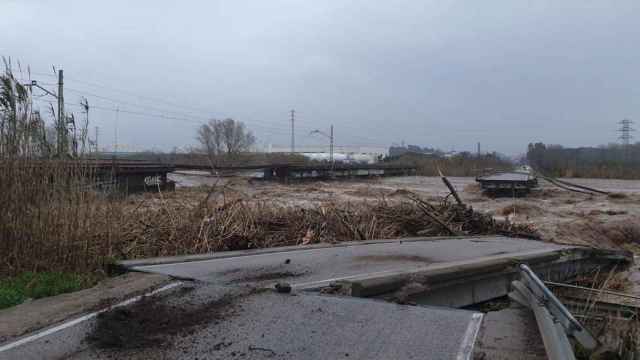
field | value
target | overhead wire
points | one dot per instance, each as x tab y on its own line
165	102
164	112
270	129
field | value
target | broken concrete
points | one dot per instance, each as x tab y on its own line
507	334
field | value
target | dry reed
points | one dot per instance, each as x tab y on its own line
177	227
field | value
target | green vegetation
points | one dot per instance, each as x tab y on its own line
29	285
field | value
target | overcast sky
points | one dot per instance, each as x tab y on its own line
446	74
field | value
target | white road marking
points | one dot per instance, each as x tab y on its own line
469	339
76	321
325	281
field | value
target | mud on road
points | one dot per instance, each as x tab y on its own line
155	321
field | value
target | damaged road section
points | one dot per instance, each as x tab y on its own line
398	299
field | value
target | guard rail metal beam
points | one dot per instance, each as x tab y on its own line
555	322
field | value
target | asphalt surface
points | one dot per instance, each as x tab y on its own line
228	314
318	267
309	326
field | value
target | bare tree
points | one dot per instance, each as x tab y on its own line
224	137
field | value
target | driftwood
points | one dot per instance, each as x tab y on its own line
217	223
423	205
451	188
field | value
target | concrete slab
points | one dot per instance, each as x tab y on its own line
305	267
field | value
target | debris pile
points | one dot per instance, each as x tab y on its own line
216	225
520	209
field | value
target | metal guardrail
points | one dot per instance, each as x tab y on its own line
555	322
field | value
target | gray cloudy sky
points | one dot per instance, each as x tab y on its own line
440	73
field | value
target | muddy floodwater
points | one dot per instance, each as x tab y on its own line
561	216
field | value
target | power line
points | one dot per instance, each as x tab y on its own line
190	108
43	74
165	102
162	116
117	101
148	98
190	117
269	130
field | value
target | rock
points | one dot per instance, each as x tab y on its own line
283	288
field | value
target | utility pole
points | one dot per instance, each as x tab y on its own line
293	134
85	127
62	121
115	145
96	140
74	139
331	150
331	145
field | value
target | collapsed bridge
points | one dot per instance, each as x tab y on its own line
381	299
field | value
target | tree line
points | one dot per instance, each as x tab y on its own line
461	164
607	161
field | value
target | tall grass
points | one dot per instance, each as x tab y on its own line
50	218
